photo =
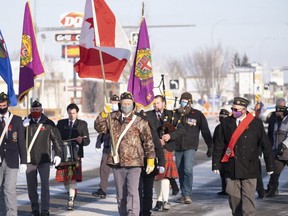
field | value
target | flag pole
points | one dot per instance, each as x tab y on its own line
27	111
104	78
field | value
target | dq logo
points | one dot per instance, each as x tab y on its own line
72	19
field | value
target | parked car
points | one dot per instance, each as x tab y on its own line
266	112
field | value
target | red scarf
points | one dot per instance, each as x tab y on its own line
235	136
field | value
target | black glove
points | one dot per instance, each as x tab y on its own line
209	152
281	148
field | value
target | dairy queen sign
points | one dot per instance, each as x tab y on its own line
71	19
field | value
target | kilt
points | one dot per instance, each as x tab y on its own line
170	167
70	172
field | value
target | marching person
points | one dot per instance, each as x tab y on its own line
41	132
147	180
158	118
194	122
133	141
236	148
12	147
279	137
222	114
75	130
104	168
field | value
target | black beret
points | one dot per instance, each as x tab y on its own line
279	108
3	97
240	101
114	98
126	95
36	104
224	112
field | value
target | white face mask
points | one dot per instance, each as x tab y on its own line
115	107
127	109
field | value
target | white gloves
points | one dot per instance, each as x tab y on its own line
284	143
161	169
98	150
216	171
57	160
26	122
22	168
270	173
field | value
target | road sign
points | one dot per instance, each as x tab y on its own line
134	38
67	37
174	84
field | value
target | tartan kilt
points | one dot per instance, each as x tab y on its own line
170	167
62	173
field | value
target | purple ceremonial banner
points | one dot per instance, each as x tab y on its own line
141	77
30	62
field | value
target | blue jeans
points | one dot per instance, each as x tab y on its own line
184	162
8	195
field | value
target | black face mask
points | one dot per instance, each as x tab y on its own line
3	110
279	118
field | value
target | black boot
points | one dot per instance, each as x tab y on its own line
271	191
174	186
158	206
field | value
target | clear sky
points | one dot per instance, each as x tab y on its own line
257	27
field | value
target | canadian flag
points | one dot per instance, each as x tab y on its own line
101	31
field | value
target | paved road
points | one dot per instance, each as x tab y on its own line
206	202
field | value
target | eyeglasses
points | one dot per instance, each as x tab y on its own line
236	110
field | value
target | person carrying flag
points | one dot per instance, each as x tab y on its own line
132	141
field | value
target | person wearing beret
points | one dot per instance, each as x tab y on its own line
194	122
132	142
104	168
222	114
12	148
279	145
70	170
236	149
41	132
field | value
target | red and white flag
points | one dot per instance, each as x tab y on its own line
101	31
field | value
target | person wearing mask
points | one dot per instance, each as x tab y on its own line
194	122
222	114
132	142
236	149
279	145
41	132
12	150
70	171
104	168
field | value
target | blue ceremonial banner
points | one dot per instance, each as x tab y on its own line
6	72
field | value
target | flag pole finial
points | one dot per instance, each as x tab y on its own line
143	6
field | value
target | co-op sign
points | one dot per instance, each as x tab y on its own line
71	20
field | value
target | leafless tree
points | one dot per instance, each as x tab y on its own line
201	65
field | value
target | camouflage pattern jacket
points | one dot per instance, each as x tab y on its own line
136	144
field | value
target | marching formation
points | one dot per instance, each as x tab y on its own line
144	150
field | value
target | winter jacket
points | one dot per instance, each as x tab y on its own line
41	150
194	122
136	144
245	164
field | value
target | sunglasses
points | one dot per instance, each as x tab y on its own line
236	110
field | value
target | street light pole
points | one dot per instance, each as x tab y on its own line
213	63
